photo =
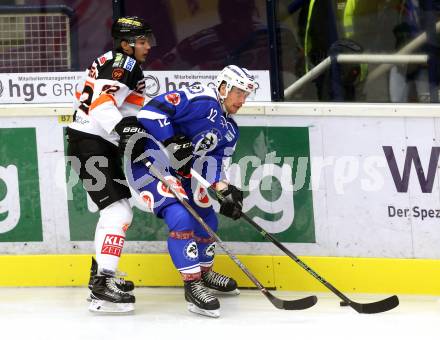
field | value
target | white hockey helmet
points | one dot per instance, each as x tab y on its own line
236	76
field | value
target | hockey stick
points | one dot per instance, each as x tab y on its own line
364	308
299	304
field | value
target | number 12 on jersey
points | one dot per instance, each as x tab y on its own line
212	115
164	122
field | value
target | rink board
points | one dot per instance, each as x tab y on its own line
355	275
356	192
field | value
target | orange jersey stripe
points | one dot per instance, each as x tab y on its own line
134	99
103	98
89	83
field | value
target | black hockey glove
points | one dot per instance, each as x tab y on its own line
232	202
126	128
180	150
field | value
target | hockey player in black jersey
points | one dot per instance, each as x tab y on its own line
104	120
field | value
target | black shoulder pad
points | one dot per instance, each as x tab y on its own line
123	69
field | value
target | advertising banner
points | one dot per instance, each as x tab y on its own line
56	210
38	88
157	82
324	186
265	175
59	87
20	207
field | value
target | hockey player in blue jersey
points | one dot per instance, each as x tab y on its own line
195	127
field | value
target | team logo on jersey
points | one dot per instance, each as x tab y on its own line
117	73
107	56
174	183
210	250
173	98
201	197
101	60
190	250
207	142
229	136
119	58
148	199
129	64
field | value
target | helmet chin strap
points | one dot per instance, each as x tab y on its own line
132	44
224	107
222	99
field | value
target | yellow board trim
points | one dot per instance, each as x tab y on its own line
360	275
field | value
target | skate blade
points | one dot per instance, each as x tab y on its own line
211	313
89	299
219	292
101	306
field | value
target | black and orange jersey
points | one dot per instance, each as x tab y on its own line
113	88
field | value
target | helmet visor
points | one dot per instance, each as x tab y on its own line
241	93
149	36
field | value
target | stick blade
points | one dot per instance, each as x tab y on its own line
299	304
375	307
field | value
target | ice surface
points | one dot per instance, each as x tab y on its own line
61	313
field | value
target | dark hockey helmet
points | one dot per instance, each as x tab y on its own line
130	29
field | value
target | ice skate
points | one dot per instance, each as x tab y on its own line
124	285
220	283
106	297
200	300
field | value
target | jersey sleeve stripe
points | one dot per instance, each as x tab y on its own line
103	99
162	107
135	99
150	115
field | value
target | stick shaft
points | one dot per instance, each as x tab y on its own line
205	226
269	237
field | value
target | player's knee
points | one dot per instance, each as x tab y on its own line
178	218
117	214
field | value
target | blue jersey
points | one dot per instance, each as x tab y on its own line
196	113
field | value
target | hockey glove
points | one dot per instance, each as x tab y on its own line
232	202
126	128
180	150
